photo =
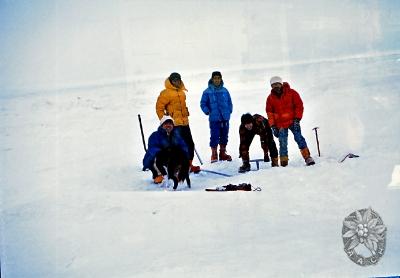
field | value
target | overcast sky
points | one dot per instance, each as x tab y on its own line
52	44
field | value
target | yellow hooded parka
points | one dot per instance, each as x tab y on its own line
172	102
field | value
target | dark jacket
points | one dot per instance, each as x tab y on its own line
216	102
161	141
260	127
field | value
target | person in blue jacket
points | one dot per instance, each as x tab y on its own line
216	102
165	146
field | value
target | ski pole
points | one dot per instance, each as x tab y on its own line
141	130
198	156
316	137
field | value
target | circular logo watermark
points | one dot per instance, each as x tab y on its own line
364	237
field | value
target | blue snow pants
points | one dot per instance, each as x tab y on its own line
283	139
219	133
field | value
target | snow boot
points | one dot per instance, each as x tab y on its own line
309	161
266	157
222	153
159	179
192	168
284	161
307	157
274	162
214	155
245	167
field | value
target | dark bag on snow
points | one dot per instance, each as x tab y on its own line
234	187
241	186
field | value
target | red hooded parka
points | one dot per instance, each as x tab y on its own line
283	108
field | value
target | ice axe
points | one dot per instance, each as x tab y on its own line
316	137
141	130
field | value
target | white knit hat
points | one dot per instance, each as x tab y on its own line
275	79
166	118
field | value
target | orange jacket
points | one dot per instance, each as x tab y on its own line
172	102
284	108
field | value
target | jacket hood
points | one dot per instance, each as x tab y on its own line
212	86
285	87
166	118
169	86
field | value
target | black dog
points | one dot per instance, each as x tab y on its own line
178	167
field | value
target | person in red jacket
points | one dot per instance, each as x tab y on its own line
284	108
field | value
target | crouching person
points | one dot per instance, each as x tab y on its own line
167	150
250	126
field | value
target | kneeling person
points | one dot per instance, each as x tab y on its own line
167	149
250	126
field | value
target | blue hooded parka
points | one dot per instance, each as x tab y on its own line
160	140
216	102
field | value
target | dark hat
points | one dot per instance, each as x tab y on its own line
246	118
174	76
216	73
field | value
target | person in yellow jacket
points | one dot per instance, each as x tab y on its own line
172	102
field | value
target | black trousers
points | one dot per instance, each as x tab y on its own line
267	144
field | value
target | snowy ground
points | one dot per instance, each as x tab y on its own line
75	202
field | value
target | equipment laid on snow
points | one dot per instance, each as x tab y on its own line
141	130
246	165
234	187
316	137
215	172
349	155
257	161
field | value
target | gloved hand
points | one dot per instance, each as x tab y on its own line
275	131
296	124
